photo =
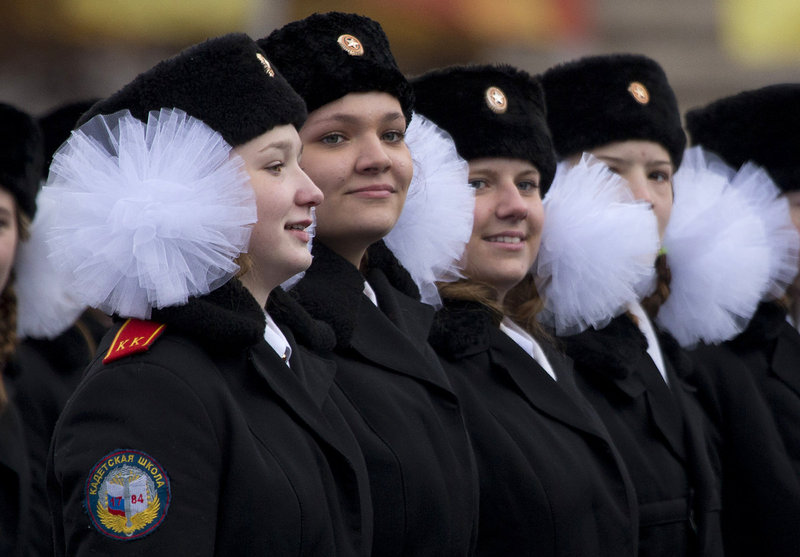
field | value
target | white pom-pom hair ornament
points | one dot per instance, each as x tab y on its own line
147	214
435	225
46	306
718	253
764	196
598	247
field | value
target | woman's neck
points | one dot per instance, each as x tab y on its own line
349	251
258	290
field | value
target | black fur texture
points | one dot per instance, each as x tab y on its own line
21	157
309	56
589	105
454	98
336	302
227	319
221	82
461	328
760	125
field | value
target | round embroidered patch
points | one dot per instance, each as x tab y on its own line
127	494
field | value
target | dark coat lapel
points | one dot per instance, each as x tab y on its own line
317	374
13	454
664	408
230	324
403	354
536	385
17	476
786	358
619	352
268	367
332	291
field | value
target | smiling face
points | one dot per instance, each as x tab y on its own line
647	168
355	151
8	235
284	198
507	229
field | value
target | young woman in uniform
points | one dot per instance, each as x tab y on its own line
551	482
403	409
201	428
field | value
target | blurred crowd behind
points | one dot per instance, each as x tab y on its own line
57	51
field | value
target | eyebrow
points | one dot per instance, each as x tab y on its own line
282	145
350	119
626	161
533	172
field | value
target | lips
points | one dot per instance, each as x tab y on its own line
374	189
299	225
506	238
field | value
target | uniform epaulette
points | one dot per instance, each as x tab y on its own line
133	337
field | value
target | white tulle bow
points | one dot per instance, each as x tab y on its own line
773	209
46	306
598	248
718	251
436	222
147	214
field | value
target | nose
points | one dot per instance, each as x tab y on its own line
308	194
372	157
510	203
637	183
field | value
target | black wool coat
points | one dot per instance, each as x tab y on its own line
402	408
16	522
760	491
551	482
770	347
660	432
257	460
39	380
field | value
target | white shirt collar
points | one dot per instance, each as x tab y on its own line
527	343
653	348
276	339
370	293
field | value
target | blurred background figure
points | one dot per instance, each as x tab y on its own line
25	424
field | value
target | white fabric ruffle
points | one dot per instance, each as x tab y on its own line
784	241
435	225
45	305
148	214
718	253
598	248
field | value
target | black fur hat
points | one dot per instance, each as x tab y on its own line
57	124
226	82
602	99
759	125
21	157
326	56
490	111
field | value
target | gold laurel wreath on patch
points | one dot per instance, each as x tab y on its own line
119	524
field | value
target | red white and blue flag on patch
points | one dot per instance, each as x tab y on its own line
116	499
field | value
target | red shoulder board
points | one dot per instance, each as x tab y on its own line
133	337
